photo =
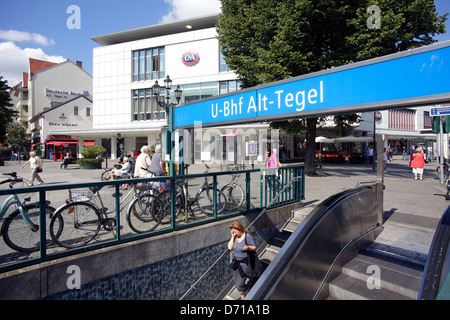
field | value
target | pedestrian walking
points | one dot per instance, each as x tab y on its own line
36	164
418	163
245	261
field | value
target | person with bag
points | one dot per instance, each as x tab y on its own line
245	263
418	163
36	167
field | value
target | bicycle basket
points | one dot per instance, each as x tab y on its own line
81	194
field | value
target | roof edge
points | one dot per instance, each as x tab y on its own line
162	29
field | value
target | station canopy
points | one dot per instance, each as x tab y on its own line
415	77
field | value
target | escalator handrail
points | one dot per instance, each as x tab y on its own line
437	260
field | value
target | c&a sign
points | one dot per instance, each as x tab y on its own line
190	58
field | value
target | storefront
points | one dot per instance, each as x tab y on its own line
72	115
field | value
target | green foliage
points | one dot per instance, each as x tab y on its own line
89	160
92	152
7	115
271	40
16	134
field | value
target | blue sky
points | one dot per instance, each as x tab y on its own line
38	28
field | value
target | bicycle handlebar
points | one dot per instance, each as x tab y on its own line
12	174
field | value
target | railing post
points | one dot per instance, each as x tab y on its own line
43	225
247	190
215	196
172	202
117	198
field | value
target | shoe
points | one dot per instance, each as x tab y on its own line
41	182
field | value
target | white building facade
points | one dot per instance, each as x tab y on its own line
49	88
128	64
74	114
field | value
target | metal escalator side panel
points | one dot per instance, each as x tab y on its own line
438	262
303	263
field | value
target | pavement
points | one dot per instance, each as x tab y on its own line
414	207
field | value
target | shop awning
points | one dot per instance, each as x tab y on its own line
353	139
62	143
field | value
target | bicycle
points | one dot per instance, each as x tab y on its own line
203	199
20	230
106	172
233	192
79	221
442	165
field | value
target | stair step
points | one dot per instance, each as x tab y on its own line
345	287
272	249
291	226
405	242
281	237
398	276
301	213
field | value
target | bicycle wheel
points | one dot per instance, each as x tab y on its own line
205	201
234	195
23	184
164	198
75	224
144	213
105	174
19	236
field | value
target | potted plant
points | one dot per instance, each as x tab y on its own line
91	157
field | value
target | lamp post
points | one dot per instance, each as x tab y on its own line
163	102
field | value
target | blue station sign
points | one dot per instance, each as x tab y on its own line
411	78
442	111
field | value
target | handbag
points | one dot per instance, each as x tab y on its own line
38	170
254	263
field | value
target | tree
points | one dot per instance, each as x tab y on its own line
270	40
7	115
16	135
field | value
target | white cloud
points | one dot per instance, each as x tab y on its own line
21	36
14	61
182	9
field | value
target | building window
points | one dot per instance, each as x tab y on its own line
149	64
229	86
197	91
145	107
88	111
427	120
402	119
223	67
75	111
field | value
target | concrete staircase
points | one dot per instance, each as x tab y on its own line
271	250
398	256
398	279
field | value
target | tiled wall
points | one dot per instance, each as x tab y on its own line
165	280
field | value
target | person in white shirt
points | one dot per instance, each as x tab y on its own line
35	164
142	163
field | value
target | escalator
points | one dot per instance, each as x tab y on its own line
332	255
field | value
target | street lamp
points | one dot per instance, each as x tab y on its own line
163	102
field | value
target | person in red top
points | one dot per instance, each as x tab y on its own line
418	163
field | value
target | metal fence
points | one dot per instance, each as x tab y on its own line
257	187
